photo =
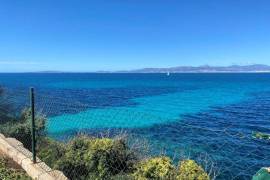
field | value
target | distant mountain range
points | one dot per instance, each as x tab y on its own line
255	68
204	69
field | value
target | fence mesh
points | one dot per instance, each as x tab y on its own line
83	136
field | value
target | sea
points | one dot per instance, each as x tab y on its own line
209	117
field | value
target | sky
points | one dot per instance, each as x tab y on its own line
91	35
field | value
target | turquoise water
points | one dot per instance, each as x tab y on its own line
151	110
213	114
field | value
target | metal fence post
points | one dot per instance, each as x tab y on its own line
33	128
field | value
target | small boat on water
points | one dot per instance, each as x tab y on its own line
168	73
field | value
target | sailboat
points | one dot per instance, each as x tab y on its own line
168	73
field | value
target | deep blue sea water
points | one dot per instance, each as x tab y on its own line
191	115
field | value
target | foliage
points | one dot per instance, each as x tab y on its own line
89	158
122	176
20	127
190	170
7	173
102	158
155	168
50	150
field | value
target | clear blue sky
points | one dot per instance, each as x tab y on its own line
129	34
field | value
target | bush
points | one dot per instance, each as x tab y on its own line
190	170
49	150
20	127
7	173
122	177
155	168
102	158
90	158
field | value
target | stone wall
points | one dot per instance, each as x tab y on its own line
14	150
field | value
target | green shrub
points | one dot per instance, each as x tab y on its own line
190	170
122	176
155	168
95	158
7	173
49	150
20	127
